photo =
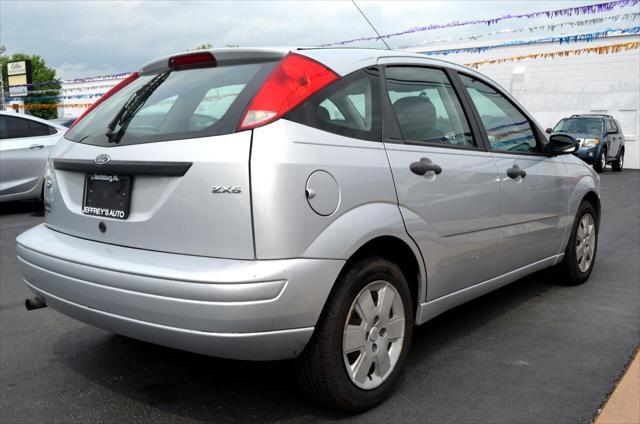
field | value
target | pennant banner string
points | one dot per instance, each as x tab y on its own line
570	11
588	37
612	48
550	27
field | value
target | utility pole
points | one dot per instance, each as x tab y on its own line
2	50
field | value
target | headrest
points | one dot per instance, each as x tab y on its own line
323	113
416	116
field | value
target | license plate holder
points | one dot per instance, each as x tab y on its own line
108	196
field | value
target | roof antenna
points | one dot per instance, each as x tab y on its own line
369	22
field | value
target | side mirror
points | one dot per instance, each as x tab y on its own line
561	144
548	130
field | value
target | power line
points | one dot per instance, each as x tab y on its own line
369	22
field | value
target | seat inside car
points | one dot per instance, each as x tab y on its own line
416	116
323	113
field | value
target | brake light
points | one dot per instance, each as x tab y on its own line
290	83
113	90
190	60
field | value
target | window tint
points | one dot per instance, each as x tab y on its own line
507	128
580	125
349	107
187	104
616	126
36	129
426	106
14	127
613	128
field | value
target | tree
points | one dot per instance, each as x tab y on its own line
46	85
203	46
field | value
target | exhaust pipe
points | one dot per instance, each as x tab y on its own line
34	303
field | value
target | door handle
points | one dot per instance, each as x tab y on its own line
36	146
423	166
515	172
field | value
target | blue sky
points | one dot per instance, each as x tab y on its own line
86	38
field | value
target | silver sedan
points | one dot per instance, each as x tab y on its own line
25	144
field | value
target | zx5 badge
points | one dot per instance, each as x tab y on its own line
226	189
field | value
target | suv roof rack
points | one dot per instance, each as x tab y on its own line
591	114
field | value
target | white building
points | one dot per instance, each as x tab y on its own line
554	88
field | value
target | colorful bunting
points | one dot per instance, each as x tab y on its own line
570	11
550	27
612	48
590	36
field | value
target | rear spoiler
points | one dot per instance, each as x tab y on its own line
223	57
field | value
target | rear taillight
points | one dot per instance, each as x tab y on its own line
192	60
292	81
113	90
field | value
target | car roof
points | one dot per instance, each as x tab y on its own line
342	60
591	115
34	118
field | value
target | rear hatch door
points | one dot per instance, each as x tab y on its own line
163	170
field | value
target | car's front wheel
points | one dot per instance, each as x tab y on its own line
580	254
619	163
601	161
362	338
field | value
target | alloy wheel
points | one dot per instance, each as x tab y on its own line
585	242
373	335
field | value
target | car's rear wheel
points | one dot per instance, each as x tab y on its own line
601	161
580	254
362	338
618	163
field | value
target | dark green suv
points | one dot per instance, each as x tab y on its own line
600	137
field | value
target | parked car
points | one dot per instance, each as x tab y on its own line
65	122
600	136
25	144
264	204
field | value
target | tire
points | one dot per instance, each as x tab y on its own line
322	366
601	161
572	271
618	163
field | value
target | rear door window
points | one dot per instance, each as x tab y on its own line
36	129
349	107
508	130
14	127
426	106
187	104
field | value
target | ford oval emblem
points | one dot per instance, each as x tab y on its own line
102	159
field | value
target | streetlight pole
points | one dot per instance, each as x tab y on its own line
2	50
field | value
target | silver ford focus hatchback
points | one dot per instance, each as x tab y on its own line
265	204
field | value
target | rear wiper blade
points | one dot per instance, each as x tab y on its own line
131	107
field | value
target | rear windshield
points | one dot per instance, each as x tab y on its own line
186	104
580	126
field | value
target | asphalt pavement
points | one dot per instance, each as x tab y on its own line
531	352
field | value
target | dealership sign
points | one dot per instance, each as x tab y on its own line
19	73
19	91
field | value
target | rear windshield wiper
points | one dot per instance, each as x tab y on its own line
131	107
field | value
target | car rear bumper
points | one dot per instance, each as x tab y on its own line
255	310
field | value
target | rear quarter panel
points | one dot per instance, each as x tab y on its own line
284	155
